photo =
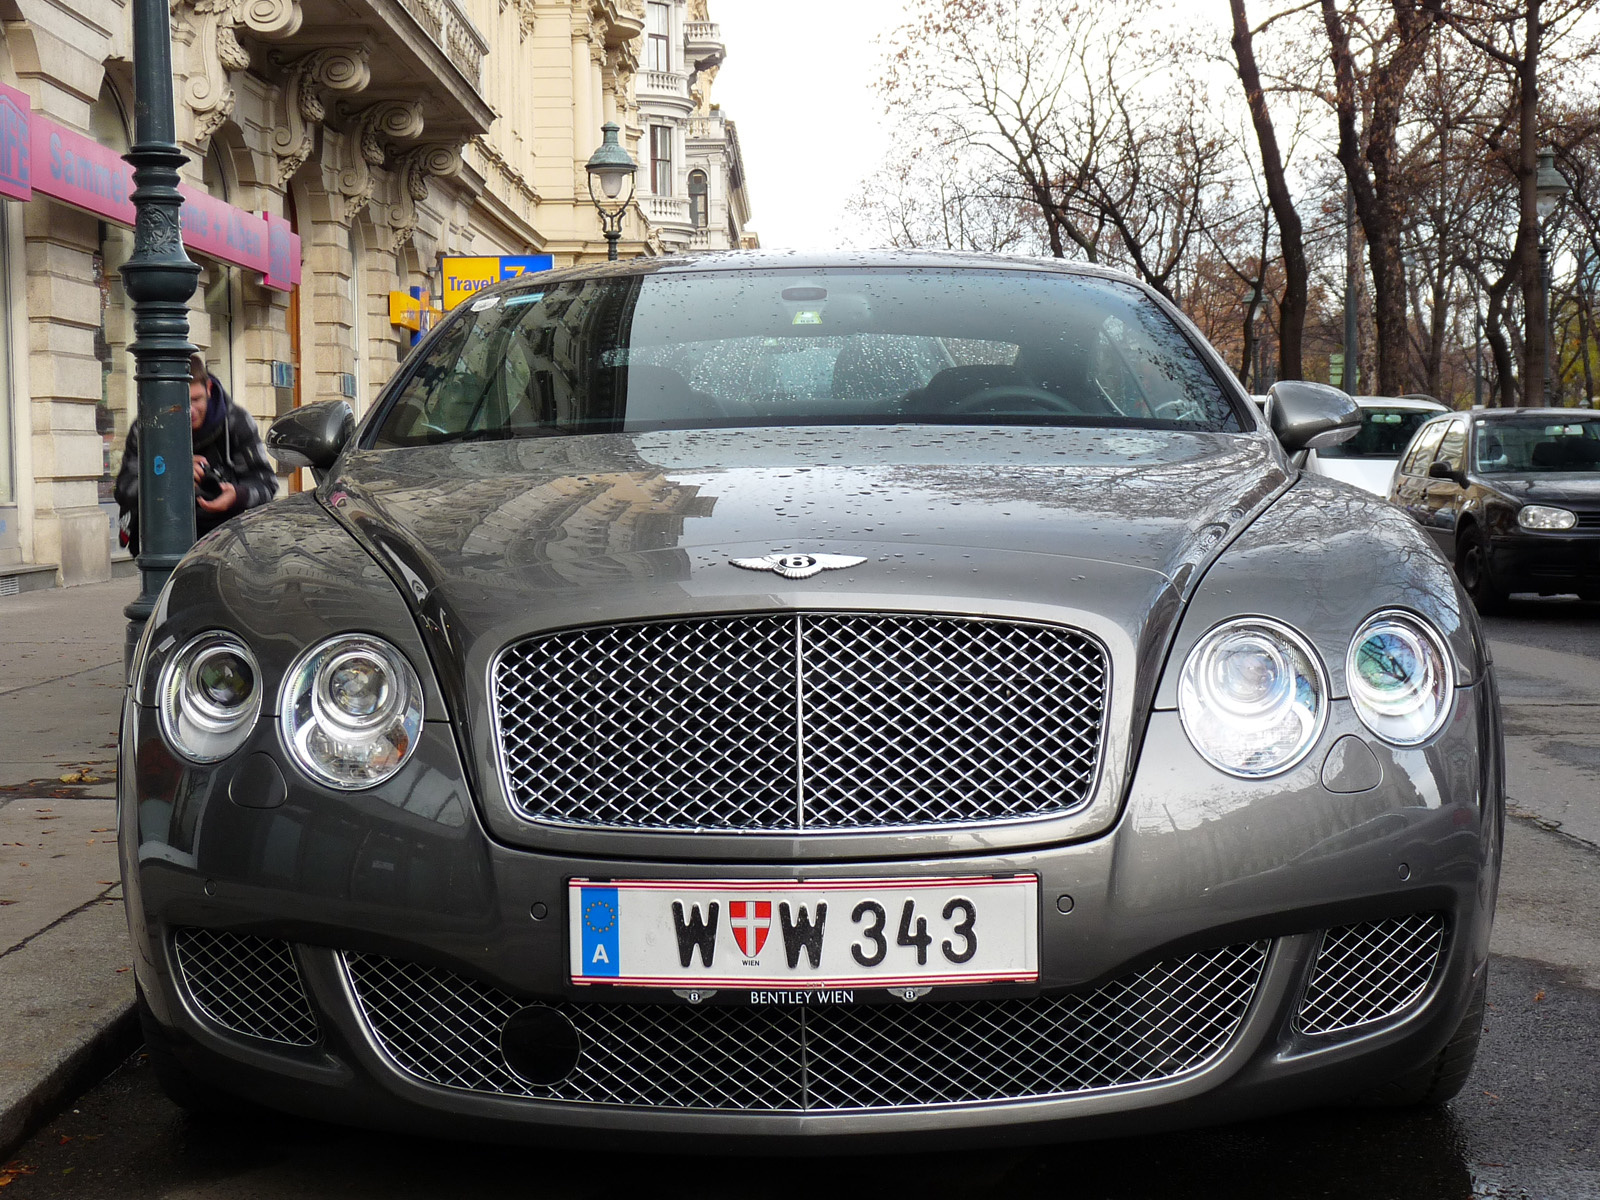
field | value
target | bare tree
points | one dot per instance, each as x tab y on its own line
1291	239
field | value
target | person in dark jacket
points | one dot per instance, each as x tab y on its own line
231	471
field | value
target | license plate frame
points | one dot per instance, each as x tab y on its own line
646	944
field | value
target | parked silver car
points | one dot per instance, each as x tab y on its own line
1368	460
885	697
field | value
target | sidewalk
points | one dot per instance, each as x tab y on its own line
66	987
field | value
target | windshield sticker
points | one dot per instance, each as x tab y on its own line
525	298
807	317
486	304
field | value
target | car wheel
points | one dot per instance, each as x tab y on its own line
1472	568
1435	1082
183	1087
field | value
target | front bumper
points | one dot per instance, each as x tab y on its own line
1190	979
1548	563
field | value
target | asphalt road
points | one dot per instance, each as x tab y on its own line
1527	1127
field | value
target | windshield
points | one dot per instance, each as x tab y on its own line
1385	433
766	348
1529	447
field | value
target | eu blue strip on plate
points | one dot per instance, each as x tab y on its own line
599	920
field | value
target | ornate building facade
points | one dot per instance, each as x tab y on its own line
338	149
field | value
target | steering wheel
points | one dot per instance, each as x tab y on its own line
1001	397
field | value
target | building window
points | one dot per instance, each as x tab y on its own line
658	47
697	199
661	160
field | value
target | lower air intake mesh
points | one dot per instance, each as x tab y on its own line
1159	1023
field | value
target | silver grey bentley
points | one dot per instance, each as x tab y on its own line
879	699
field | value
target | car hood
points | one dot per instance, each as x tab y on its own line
471	524
1575	487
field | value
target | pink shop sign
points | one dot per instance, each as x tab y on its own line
16	148
79	171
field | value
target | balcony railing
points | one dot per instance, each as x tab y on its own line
700	239
656	83
665	210
702	38
454	34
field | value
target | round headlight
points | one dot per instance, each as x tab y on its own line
1542	516
209	696
1399	677
1252	697
351	711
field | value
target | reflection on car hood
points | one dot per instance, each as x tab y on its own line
1576	487
531	510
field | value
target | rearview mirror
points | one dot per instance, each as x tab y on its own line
1440	469
1311	416
312	435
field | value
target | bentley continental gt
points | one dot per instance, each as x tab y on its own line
878	700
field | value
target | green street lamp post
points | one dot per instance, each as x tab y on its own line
160	279
1550	188
610	166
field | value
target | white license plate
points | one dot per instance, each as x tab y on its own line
878	932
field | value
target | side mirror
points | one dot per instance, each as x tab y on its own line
1439	469
1311	416
312	435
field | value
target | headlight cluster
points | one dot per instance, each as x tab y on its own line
1542	516
209	696
351	707
1253	695
1399	677
351	711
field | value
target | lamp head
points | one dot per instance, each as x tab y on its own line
610	166
1550	186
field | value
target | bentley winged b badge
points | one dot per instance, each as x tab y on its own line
798	566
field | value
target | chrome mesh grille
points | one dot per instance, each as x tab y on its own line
800	721
1370	972
1165	1021
246	984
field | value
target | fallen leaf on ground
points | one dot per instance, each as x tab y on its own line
1538	997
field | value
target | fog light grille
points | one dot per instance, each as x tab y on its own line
1370	972
246	984
1165	1021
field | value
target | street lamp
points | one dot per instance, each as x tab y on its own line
160	278
1550	188
611	166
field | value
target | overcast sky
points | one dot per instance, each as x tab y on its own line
797	82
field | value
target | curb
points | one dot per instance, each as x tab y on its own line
73	1072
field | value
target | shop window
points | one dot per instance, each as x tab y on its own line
697	199
8	477
222	284
118	405
357	296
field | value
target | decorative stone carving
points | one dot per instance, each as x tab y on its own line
413	169
515	179
215	50
337	68
370	127
525	15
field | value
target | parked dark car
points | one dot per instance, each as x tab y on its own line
1512	497
794	701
